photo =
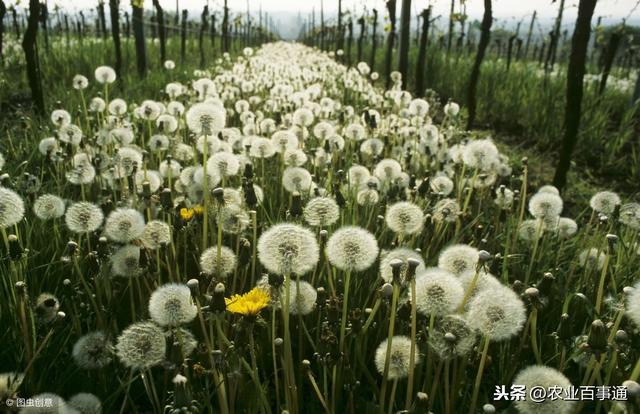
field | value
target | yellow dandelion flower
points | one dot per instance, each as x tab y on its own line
248	304
198	209
186	213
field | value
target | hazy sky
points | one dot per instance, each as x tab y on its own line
615	9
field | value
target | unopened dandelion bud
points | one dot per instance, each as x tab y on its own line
218	194
386	290
248	171
165	199
21	287
322	297
72	247
66	282
245	254
524	161
422	400
532	293
340	200
103	247
278	341
483	256
488	409
450	337
146	189
15	250
412	265
611	242
324	235
621	336
597	339
633	388
306	364
217	301
546	283
517	286
564	329
61	315
296	205
194	286
396	269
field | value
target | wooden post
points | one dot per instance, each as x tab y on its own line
183	36
103	19
374	40
612	48
403	47
349	41
29	45
137	14
485	36
204	19
575	86
362	23
3	12
422	52
451	25
44	20
225	28
162	32
529	33
340	34
391	37
212	30
114	12
553	45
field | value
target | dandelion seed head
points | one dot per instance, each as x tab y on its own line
125	261
105	75
297	179
141	345
438	292
92	350
497	313
321	212
402	254
404	218
399	358
171	305
545	205
205	119
481	154
155	234
11	208
446	210
352	248
604	202
86	403
458	259
452	337
210	264
288	248
592	258
545	377
302	298
84	217
48	207
57	405
124	225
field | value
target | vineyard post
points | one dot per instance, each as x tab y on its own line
403	49
391	37
137	15
485	36
29	45
114	13
162	33
422	52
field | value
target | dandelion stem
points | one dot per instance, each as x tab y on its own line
476	385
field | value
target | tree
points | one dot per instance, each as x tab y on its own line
391	37
485	36
374	40
575	79
3	12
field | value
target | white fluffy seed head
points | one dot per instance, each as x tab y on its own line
545	205
352	248
604	202
48	207
633	304
405	218
171	305
458	259
124	225
592	258
438	292
155	234
630	215
205	118
297	179
86	403
84	217
481	154
566	227
446	210
545	377
288	248
452	337
11	208
497	313
92	351
210	265
321	211
141	346
125	261
302	297
399	358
